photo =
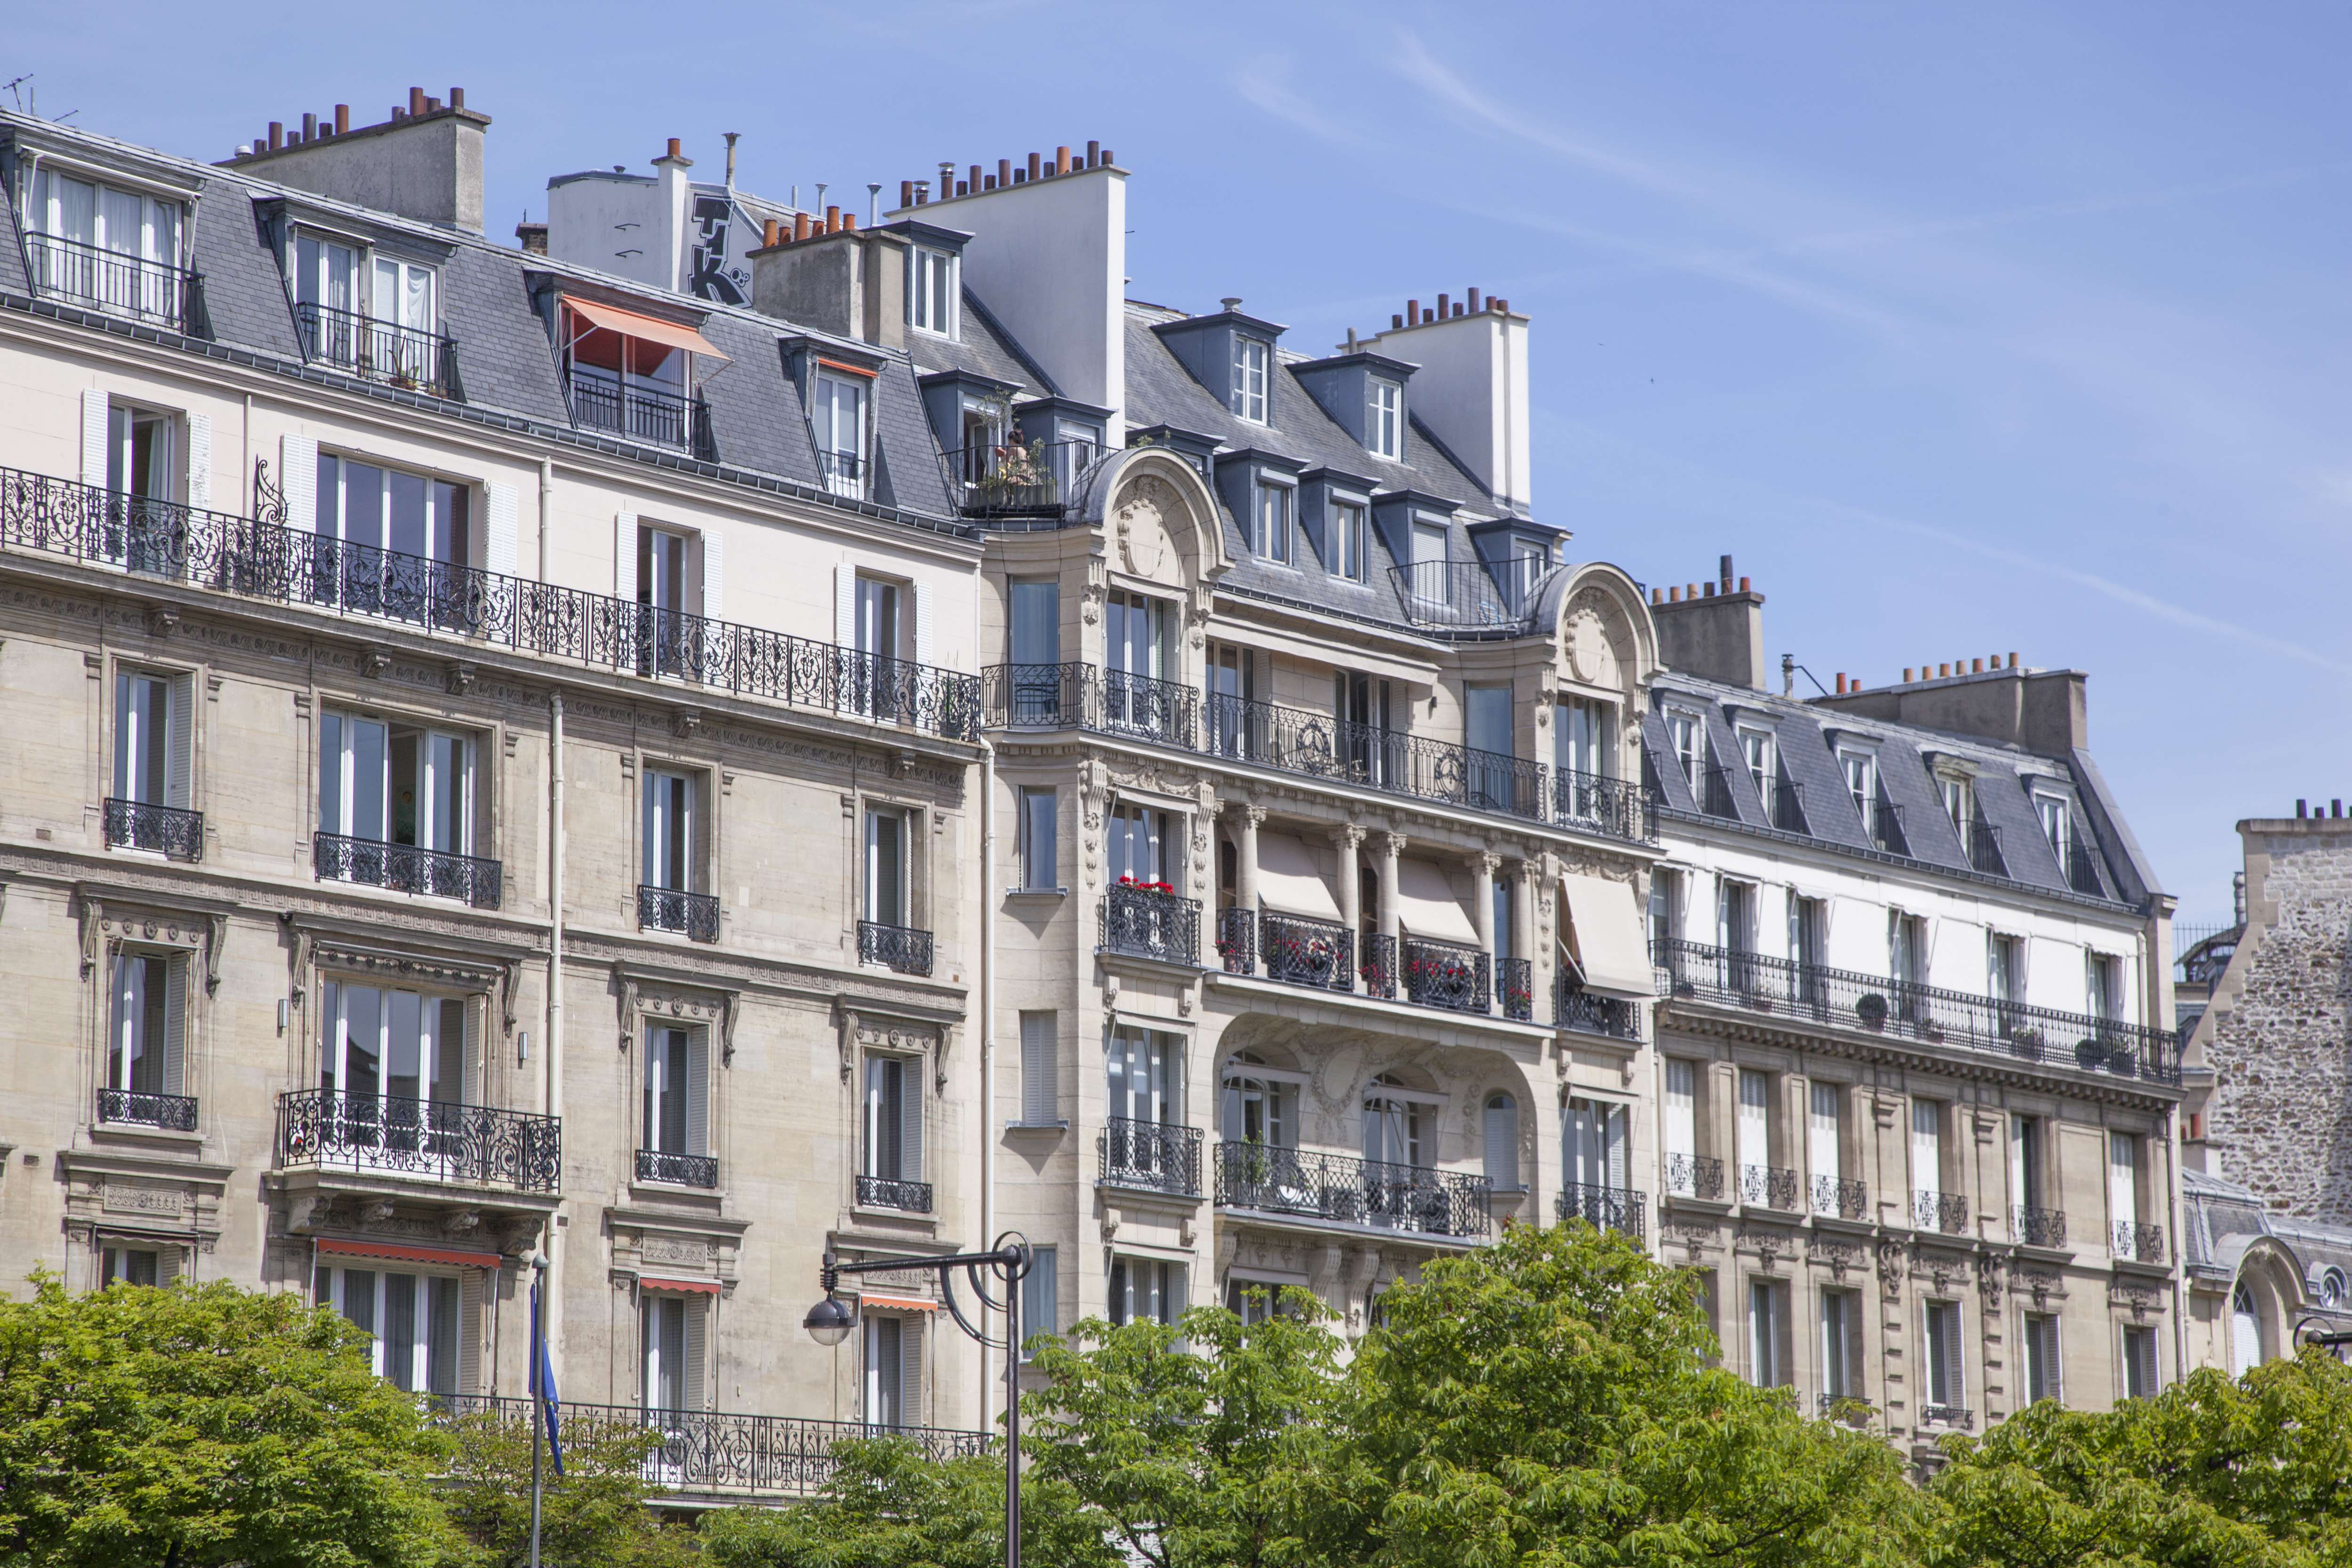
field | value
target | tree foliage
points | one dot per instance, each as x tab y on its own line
595	1513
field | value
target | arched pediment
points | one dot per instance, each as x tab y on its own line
1158	517
1600	629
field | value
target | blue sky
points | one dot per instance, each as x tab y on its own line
1964	329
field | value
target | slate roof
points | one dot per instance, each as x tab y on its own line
982	347
2225	1217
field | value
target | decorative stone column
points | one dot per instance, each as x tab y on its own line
1481	916
1391	847
1347	842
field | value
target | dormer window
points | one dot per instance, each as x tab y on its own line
838	422
1273	513
931	290
1250	358
369	315
632	375
1689	736
1385	419
118	250
1347	529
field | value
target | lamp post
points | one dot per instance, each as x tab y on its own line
831	1319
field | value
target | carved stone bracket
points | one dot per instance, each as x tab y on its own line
864	1028
1988	1282
1892	1265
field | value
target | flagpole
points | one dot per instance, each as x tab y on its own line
538	1399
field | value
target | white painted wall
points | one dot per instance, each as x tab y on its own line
593	221
1472	389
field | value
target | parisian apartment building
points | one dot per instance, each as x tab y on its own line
712	731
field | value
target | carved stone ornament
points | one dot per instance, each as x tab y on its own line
1590	657
868	1030
1840	1252
2042	1284
1140	523
2142	1296
1891	1262
1988	1282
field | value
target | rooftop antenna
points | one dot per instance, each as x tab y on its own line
14	87
820	197
873	203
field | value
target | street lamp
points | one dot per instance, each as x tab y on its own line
831	1319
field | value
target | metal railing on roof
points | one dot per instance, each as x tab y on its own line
114	282
1498	595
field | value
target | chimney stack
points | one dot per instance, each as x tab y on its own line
1718	634
424	162
1471	388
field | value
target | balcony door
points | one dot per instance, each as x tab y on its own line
1593	1145
662	601
1138	649
1261	1110
151	740
1399	1130
1232	689
416	1320
1140	840
886	868
1487	732
327	299
400	542
1363	705
1036	652
838	422
676	1098
1147	1077
893	1140
384	784
669	861
118	250
670	1347
401	298
354	777
393	1067
145	1032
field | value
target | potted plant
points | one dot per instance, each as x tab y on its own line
1872	1010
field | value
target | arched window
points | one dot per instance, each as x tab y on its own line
2245	1330
1502	1129
2333	1287
1398	1129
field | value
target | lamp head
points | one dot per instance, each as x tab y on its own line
830	1321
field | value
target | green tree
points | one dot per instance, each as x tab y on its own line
193	1426
594	1515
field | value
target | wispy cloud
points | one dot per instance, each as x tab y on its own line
1264	82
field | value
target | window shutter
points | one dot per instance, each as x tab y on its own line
1502	1130
498	539
175	1024
914	1405
2123	1180
1041	1098
844	606
167	1266
910	1119
2053	1380
200	460
93	437
469	1060
180	740
697	1091
714	576
1955	1368
692	1378
469	1331
298	474
922	623
2142	1349
1612	1124
624	557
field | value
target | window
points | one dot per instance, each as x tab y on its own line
152	751
1274	515
1036	611
1665	907
1503	898
1680	1127
2027	1181
1593	1145
370	316
1958	801
1809	941
383	1056
1689	737
1430	581
1501	1126
1825	1147
1254	1300
1907	954
672	854
1041	1069
146	1041
1146	1290
2057	823
2103	983
1040	825
1041	1298
2044	1370
1585	738
676	1106
1399	1130
1384	418
1139	644
1145	845
391	784
1250	358
1346	525
137	1266
931	290
894	1369
671	1346
2245	1330
1841	1345
2123	1192
1755	750
1487	735
891	1156
665	643
415	1319
876	630
1861	769
638	388
885	867
402	537
1754	1131
1947	1383
1768	1331
1146	1068
142	462
2141	1377
1735	928
116	249
838	425
1260	1110
2004	967
1927	1157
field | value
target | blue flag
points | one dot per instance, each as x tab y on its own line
542	1380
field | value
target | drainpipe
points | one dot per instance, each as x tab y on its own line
546	488
555	1068
988	1047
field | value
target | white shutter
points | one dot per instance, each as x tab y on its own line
922	623
180	740
469	1059
1824	1143
910	1119
844	606
498	543
2123	1183
1926	1146
1041	1098
93	437
298	472
1502	1131
624	557
697	1091
469	1331
1755	1128
175	1024
1682	1108
714	576
697	1349
200	460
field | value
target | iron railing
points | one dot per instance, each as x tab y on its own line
1944	1212
678	1170
2139	1242
1616	808
172	1113
380	351
122	285
1080	696
2037	1226
889	1192
1573	1007
1883	826
841	473
165	829
1842	1196
1693	970
1448	976
641	414
481	1145
1608	1208
1981	842
1365	756
1957	1416
1013	482
1768	1186
1151	1154
265	560
1695	1176
1785	804
904	949
690	915
1379	968
1515	983
1473	594
1715	794
716	1453
1237	941
1297	951
2082	868
405	869
1150	923
1342	1190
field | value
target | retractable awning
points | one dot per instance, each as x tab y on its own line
1426	906
1605	935
652	329
1289	882
680	1287
459	1257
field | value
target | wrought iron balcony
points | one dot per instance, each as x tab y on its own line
1573	1007
1695	1176
260	558
169	1113
889	1192
841	473
635	413
167	830
1715	794
108	280
1237	941
1380	966
1022	485
2082	868
1957	1416
1884	824
1151	1154
1150	923
1842	1196
2037	1226
1471	594
691	915
1692	971
1607	1208
1448	976
1363	756
1944	1212
1515	981
678	1170
1340	1190
380	351
405	869
1073	696
1784	805
441	1141
1980	841
1768	1186
902	949
2137	1242
1616	808
1301	952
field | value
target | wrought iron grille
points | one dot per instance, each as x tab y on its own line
1364	756
678	1170
1340	1190
1148	922
637	413
889	1192
1446	974
841	473
2038	1226
1514	979
1573	1007
1302	951
2139	1242
265	560
1474	594
1945	1212
1715	794
1017	482
121	285
1770	1186
2082	868
1610	1208
1380	966
902	949
1885	825
165	829
1693	1176
172	1113
1948	1415
1842	1196
1083	696
405	869
692	915
1616	808
1788	807
1981	840
1692	971
1237	941
477	1143
1152	1154
380	351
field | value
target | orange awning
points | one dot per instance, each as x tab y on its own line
462	1258
688	1287
653	329
897	1303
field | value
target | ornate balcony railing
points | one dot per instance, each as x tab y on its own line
1957	1416
265	560
121	285
1363	756
1151	1154
1573	1007
1073	696
678	1170
716	1453
1340	1190
1470	594
889	1192
1842	1196
637	413
1379	968
165	829
1884	825
1237	941
380	351
1617	808
2037	1226
1715	794
1446	974
1981	840
1301	952
1150	923
690	915
1768	1186
1695	1176
1784	802
1944	1212
2137	1242
480	1144
1515	983
170	1112
2082	868
903	948
841	473
1018	483
1610	1208
405	869
1692	971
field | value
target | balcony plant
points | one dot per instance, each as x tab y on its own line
1871	1009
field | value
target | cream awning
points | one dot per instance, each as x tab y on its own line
1426	906
1288	881
1605	934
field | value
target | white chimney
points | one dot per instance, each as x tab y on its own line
668	250
1471	391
